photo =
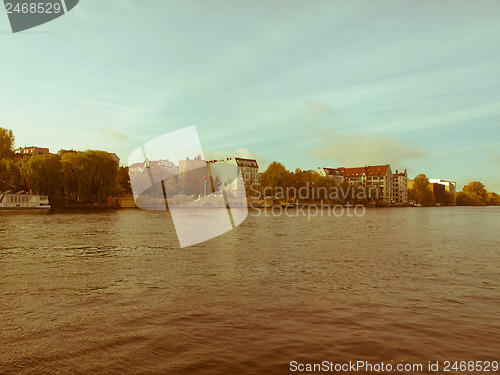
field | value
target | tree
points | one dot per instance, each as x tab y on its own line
10	175
276	175
6	143
422	190
494	200
89	176
473	194
172	186
450	199
476	189
124	181
43	174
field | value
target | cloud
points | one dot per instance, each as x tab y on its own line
113	134
445	118
319	107
495	158
239	152
364	149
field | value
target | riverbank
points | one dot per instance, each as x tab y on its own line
128	202
111	203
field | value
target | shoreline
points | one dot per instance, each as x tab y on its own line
105	206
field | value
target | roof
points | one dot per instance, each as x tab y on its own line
29	148
241	162
246	162
371	170
332	171
153	163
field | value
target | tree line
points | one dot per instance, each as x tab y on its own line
472	194
94	176
277	176
78	176
278	181
475	194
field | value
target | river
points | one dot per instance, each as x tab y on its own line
111	292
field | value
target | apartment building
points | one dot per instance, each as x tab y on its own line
249	169
31	151
376	179
332	173
400	187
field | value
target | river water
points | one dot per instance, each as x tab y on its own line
111	292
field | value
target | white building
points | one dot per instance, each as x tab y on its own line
332	173
249	169
31	151
400	187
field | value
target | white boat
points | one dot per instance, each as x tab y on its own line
23	201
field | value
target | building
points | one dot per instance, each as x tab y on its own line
163	167
375	179
31	151
191	164
249	169
115	158
443	191
450	187
62	152
400	187
439	193
333	174
143	174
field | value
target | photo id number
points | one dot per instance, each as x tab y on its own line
33	8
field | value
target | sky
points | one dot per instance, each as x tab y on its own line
413	84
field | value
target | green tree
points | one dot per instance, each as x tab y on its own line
276	175
494	200
6	143
476	189
10	175
319	186
124	181
464	199
43	174
422	190
89	176
450	199
473	194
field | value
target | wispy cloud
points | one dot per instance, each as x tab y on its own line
448	117
113	134
319	107
495	158
364	149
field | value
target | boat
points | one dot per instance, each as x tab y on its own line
23	201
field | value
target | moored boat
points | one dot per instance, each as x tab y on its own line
23	201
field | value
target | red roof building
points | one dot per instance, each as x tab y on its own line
373	177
